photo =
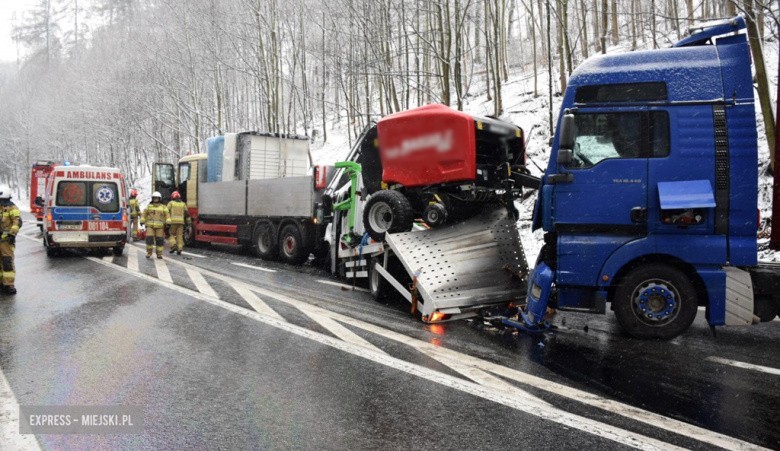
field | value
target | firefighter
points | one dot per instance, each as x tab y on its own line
178	217
11	222
155	217
135	212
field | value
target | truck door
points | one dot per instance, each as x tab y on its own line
164	180
604	187
184	180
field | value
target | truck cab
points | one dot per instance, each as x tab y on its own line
649	199
184	178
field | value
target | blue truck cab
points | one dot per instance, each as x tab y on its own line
649	200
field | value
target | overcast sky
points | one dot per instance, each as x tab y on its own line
7	10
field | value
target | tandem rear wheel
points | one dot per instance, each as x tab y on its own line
264	241
292	248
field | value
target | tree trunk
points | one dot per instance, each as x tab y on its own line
604	26
584	26
762	80
615	28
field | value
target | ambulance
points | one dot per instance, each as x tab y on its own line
85	207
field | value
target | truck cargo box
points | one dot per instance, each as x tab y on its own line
261	156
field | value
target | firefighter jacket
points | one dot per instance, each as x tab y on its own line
179	213
155	216
135	207
11	220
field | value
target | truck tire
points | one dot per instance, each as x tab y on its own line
292	248
118	250
765	308
264	241
380	288
655	301
387	211
189	235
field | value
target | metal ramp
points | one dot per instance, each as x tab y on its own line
465	266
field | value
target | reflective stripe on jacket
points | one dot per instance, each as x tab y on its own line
155	216
178	211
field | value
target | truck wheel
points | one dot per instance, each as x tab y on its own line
291	245
655	301
387	211
376	282
118	250
189	235
765	308
265	245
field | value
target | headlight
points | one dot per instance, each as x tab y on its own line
536	291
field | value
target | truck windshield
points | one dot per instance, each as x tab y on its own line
100	195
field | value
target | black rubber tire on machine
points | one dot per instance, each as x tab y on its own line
264	241
118	250
387	211
435	214
655	301
292	248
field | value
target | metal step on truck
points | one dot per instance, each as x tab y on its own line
449	176
649	200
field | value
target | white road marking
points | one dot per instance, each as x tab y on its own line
336	329
483	377
162	270
745	365
256	303
245	265
593	400
10	438
577	422
108	258
132	260
200	283
343	285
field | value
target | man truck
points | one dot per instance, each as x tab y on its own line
649	200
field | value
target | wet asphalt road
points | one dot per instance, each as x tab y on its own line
324	367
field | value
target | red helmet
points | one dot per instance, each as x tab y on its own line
175	195
133	192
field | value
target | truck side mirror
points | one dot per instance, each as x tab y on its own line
564	156
567	132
